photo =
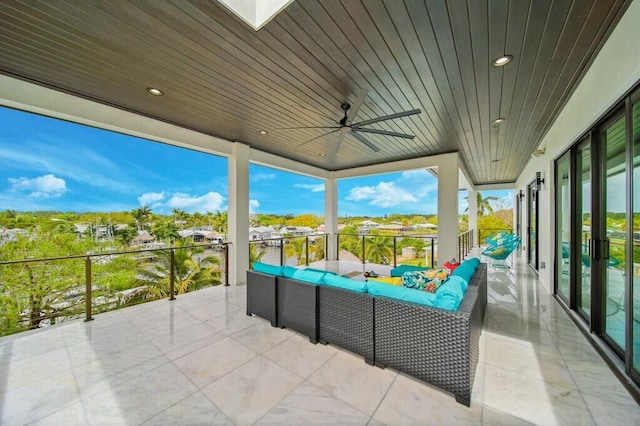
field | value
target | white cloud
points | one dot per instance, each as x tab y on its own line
47	186
385	194
150	198
211	201
313	188
253	205
259	177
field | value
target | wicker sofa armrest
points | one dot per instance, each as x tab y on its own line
262	296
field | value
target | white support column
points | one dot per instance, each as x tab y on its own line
238	215
447	209
473	213
331	215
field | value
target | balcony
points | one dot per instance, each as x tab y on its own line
200	359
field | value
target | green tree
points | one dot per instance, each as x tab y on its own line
165	229
483	203
379	250
255	254
220	222
296	248
191	271
141	216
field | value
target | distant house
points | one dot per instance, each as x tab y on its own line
143	239
393	227
297	231
264	233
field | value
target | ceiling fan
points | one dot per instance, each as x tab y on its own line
347	126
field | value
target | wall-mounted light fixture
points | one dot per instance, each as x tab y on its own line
520	195
539	181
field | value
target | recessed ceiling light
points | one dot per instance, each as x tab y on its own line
499	120
154	91
323	155
502	61
263	132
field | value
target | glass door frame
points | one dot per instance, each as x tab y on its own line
600	246
571	297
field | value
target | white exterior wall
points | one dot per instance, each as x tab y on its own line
448	209
614	71
331	216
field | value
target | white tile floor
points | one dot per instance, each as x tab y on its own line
201	360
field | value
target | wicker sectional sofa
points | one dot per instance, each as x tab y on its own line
438	346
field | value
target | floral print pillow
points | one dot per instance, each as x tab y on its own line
428	280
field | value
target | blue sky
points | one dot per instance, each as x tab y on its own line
48	164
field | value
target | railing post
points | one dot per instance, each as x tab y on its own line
432	248
172	282
226	265
395	259
338	246
88	296
306	249
363	250
281	251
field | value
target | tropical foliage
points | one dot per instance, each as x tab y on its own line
190	271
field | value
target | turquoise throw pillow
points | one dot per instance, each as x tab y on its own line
466	270
265	268
346	283
449	295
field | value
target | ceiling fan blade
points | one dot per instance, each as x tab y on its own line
318	137
356	105
383	132
365	141
337	148
387	117
305	127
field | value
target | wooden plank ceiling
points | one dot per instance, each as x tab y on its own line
223	78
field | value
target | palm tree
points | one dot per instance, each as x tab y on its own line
296	248
179	216
141	216
191	271
255	254
379	250
221	221
484	203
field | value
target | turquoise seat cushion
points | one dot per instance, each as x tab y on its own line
265	268
466	270
312	277
288	271
345	283
401	269
401	293
449	295
320	270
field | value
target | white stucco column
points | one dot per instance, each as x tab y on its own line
238	214
472	213
447	209
331	215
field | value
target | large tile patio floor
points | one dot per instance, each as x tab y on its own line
201	360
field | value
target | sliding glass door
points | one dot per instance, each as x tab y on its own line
634	319
597	230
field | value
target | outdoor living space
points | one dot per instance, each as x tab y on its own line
201	360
